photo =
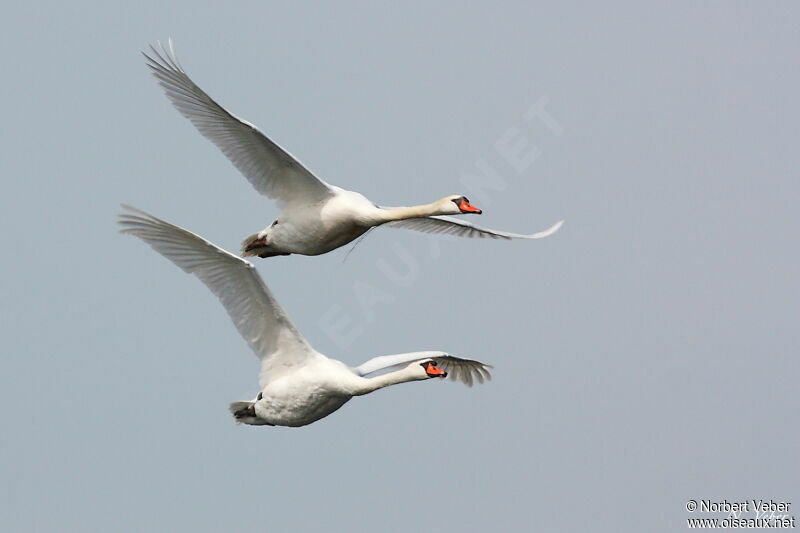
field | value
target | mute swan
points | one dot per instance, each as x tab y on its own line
298	384
316	217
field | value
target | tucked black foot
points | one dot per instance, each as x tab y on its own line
246	412
255	243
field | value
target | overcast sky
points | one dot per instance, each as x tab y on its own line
646	354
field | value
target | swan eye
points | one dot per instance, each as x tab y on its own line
434	363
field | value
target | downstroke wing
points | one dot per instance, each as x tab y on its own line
466	371
459	228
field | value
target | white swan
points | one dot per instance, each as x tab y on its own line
316	217
298	384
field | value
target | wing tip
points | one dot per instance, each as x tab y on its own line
549	231
165	56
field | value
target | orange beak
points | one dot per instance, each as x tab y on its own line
434	371
467	207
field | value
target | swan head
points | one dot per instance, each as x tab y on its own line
456	204
430	368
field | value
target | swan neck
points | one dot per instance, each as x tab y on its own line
404	213
368	385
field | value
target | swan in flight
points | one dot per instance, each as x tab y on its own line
316	217
298	384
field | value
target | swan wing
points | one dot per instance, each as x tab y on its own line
459	228
252	308
271	170
466	371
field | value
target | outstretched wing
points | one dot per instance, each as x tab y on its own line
459	228
268	167
252	308
466	371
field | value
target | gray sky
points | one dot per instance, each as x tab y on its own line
646	354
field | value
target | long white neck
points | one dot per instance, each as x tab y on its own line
367	385
402	213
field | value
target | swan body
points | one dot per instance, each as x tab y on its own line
316	217
314	229
298	385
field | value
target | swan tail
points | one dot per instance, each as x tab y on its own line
245	413
252	244
256	245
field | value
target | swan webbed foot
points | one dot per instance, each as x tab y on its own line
256	243
264	255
